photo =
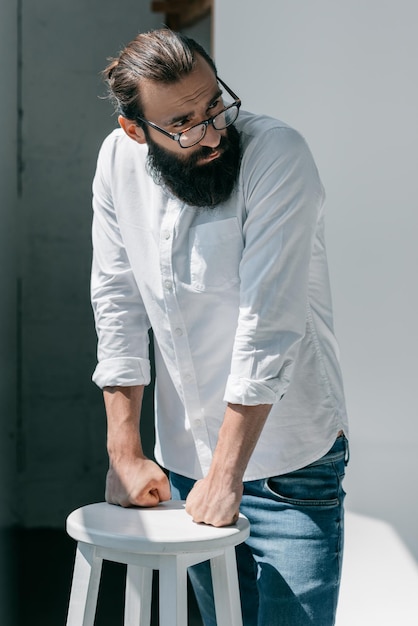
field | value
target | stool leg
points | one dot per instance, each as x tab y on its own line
138	595
173	591
226	589
85	586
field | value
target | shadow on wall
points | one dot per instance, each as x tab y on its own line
45	562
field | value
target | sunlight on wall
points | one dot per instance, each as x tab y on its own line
342	74
380	577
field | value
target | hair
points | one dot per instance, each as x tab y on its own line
160	55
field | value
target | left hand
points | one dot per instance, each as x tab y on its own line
214	502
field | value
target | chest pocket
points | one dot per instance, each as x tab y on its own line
215	253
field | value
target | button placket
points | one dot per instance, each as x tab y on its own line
178	334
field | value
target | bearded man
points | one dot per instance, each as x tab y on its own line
209	229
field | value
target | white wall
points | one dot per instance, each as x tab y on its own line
345	74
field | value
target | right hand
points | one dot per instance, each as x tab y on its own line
137	482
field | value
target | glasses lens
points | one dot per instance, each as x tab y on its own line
192	136
226	118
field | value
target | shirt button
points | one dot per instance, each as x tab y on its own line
188	378
166	234
168	284
178	332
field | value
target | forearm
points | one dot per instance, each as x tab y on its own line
132	479
123	409
216	499
237	439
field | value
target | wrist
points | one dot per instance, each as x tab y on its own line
123	405
124	448
226	469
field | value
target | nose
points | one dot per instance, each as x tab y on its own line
212	138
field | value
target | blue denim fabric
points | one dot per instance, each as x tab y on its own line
290	566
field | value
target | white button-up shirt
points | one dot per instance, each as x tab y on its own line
237	296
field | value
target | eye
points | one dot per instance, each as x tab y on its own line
214	104
181	123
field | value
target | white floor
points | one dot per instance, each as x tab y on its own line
380	578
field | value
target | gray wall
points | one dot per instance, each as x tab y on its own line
8	309
62	454
61	451
345	75
52	423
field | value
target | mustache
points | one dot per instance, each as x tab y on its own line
206	151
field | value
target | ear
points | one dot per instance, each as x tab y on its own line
132	130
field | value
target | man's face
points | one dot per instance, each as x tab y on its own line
205	174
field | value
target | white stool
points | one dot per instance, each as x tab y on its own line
163	538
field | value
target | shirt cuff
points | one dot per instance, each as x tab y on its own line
122	372
250	392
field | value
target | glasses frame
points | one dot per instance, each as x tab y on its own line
177	136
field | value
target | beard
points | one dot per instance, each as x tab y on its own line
205	185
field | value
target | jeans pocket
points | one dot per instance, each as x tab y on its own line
315	485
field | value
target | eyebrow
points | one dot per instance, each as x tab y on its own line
184	116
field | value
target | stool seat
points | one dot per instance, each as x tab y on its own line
166	528
162	538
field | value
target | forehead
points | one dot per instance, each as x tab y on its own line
191	95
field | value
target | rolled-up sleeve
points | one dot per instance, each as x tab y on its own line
283	197
121	321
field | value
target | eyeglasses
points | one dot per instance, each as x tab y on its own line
193	135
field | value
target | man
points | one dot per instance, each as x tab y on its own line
208	228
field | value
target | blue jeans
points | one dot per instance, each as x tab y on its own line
290	567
